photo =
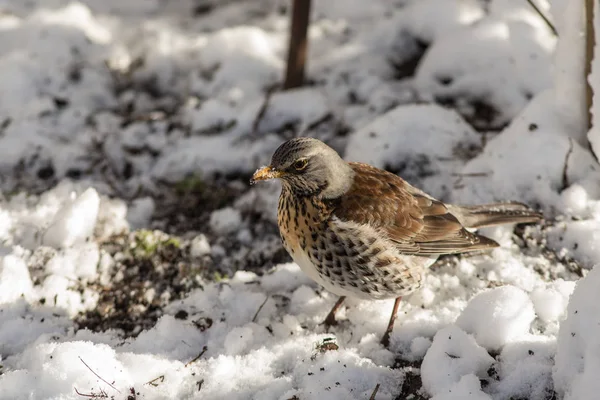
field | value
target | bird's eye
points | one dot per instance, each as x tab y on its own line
300	164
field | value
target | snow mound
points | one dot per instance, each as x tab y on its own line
452	355
490	176
578	347
15	280
225	220
498	316
495	49
525	369
402	138
580	239
75	222
550	301
431	19
468	388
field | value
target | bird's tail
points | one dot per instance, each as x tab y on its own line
494	214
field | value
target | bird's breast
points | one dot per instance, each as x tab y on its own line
299	222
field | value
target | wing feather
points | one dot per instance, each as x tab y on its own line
417	223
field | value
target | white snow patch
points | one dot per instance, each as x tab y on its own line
525	369
140	212
225	220
468	388
452	355
506	170
467	64
579	239
75	222
402	139
498	316
199	246
577	356
550	301
15	281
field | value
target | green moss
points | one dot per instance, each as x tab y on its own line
191	184
218	277
148	243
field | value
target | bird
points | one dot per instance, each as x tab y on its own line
366	233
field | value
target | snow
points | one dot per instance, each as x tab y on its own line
225	220
583	236
200	246
550	302
136	261
467	388
140	211
497	316
569	61
577	359
526	368
75	222
453	355
401	140
593	134
15	279
513	47
536	180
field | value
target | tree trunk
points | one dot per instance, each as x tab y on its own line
294	76
590	42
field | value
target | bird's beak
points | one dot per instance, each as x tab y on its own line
264	174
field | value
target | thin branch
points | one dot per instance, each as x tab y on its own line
204	349
102	395
153	381
565	174
99	377
263	110
260	308
374	392
470	174
542	16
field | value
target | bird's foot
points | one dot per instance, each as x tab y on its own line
329	321
385	339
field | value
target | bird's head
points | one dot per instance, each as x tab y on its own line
308	167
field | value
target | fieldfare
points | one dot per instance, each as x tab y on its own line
364	232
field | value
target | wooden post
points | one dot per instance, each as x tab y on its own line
590	42
298	44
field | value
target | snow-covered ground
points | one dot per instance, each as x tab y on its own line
137	263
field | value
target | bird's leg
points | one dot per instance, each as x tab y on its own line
385	340
330	319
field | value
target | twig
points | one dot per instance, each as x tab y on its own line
153	381
102	395
99	377
315	124
470	174
565	174
263	109
204	349
374	392
260	308
542	16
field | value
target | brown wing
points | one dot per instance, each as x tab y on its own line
418	223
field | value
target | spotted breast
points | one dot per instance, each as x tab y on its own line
345	258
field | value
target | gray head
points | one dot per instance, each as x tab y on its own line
308	167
